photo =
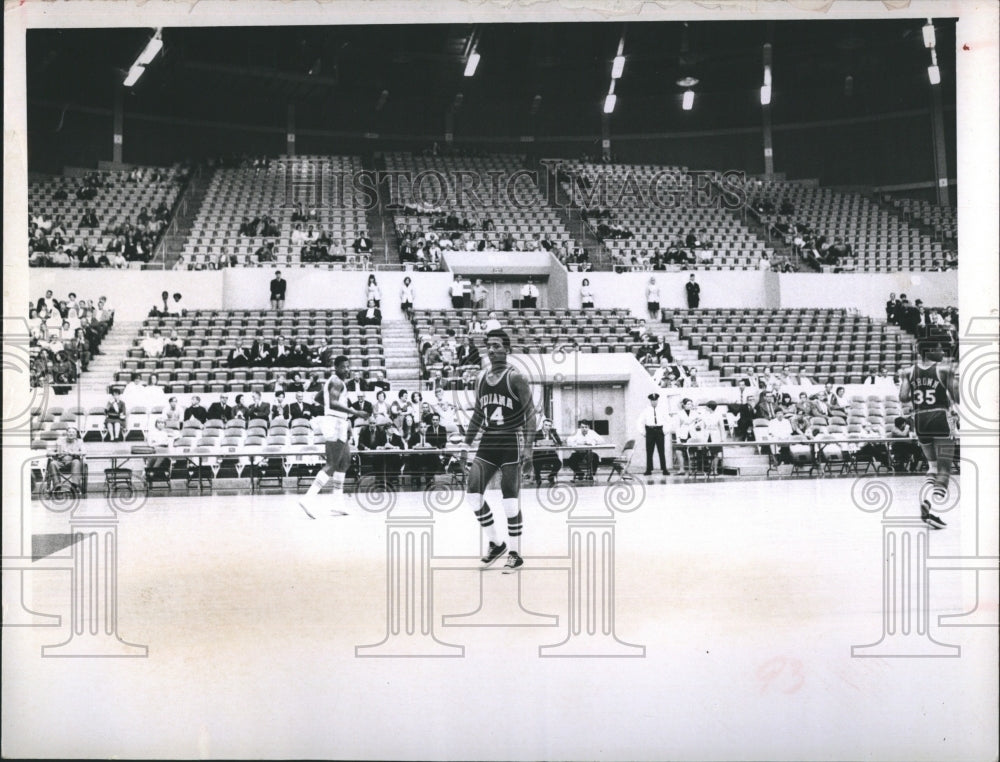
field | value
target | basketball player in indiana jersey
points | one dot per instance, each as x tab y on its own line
335	424
933	389
505	413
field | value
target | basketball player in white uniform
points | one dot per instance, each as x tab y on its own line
335	424
505	412
933	389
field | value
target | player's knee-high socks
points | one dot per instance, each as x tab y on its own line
481	510
511	507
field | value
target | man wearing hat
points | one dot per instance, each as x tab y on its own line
652	423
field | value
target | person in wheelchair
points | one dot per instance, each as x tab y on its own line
66	463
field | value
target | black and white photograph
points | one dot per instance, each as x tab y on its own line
611	381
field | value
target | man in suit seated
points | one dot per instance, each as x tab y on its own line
371	315
371	443
300	408
422	466
361	404
220	410
280	354
545	456
357	384
260	352
259	409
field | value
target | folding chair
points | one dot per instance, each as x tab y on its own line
620	464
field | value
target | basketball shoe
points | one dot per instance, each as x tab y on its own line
493	554
514	562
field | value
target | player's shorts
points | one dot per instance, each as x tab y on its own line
334	428
500	449
931	424
653	306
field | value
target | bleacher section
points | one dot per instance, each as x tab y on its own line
734	247
822	343
210	335
322	183
519	210
943	219
116	202
881	241
539	331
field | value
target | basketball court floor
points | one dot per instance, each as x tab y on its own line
658	621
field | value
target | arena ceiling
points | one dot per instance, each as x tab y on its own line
338	73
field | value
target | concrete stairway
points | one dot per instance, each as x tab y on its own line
402	358
114	349
683	354
185	215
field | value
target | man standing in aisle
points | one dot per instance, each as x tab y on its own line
505	413
693	290
278	289
652	423
335	425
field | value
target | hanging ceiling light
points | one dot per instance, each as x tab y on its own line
154	46
687	103
617	67
471	64
133	75
929	38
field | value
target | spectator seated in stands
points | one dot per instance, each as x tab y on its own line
196	411
371	315
837	250
258	408
89	219
220	410
266	253
152	343
268	227
362	244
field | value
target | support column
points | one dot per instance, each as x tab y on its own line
940	152
606	136
118	137
290	130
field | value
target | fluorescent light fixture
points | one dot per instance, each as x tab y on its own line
767	76
133	75
609	103
470	66
536	103
929	38
765	95
153	47
935	74
382	98
617	67
688	101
